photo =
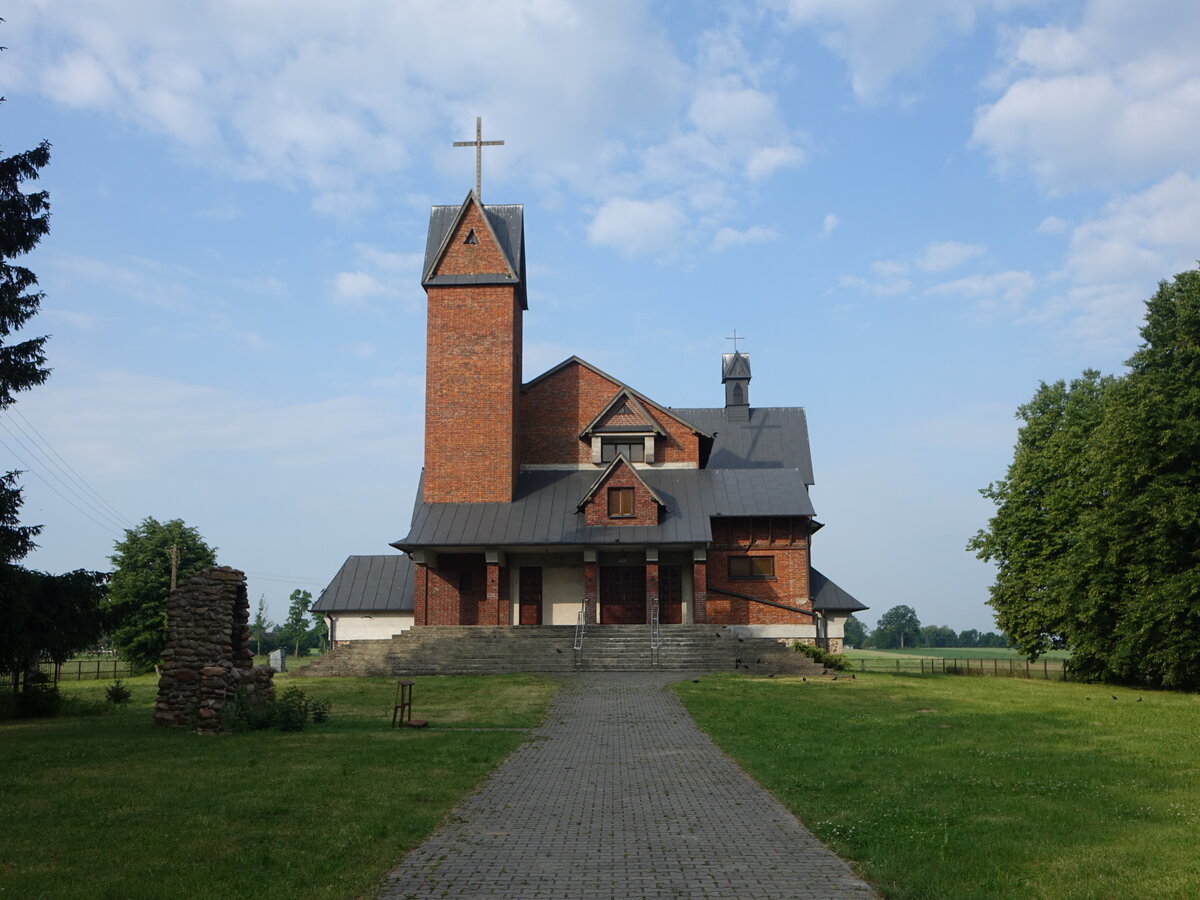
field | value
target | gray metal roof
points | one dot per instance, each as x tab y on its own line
370	584
544	511
508	224
827	595
771	438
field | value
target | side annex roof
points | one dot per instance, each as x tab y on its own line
370	584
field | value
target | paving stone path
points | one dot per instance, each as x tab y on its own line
620	795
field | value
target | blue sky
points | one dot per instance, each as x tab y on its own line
914	211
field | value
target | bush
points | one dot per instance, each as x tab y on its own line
834	661
290	711
117	693
39	700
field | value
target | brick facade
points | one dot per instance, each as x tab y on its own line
786	540
556	409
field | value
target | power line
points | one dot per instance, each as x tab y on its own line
106	526
77	477
114	518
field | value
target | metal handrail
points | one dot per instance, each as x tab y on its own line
580	629
655	635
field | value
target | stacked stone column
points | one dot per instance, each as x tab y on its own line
208	656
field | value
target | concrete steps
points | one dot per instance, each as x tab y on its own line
475	649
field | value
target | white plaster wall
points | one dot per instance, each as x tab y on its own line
562	593
779	632
369	627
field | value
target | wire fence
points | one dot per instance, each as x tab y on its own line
1048	669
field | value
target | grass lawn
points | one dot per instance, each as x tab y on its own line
108	806
977	787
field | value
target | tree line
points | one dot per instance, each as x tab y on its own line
1096	534
899	628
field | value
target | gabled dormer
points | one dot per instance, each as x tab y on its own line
623	427
620	496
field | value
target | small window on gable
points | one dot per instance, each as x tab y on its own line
751	567
471	238
635	451
620	502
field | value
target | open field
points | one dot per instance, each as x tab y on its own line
965	787
953	653
108	806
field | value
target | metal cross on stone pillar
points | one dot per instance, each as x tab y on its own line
479	143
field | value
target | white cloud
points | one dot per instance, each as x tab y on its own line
830	222
340	99
888	278
766	161
1052	225
1116	258
941	255
638	227
1113	101
998	290
880	40
731	237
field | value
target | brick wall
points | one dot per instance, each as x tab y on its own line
645	508
473	376
556	409
785	539
438	599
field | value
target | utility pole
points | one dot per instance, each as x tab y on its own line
173	553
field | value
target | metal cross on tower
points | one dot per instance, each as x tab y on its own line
479	143
735	339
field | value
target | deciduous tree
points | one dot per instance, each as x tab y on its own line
141	584
898	627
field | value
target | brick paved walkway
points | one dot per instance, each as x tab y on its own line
619	795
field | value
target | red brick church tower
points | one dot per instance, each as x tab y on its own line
474	278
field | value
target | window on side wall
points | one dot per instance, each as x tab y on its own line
751	567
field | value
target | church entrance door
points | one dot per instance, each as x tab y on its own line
670	595
531	596
622	595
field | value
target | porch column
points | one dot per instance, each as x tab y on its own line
591	576
700	586
424	559
651	579
495	561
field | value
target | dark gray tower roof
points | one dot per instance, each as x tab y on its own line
735	375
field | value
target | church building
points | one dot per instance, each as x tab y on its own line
573	494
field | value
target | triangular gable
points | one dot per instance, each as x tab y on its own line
453	231
606	476
625	406
575	360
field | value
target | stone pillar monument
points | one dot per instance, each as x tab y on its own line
208	656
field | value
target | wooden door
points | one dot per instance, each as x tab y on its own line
622	595
670	595
531	596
